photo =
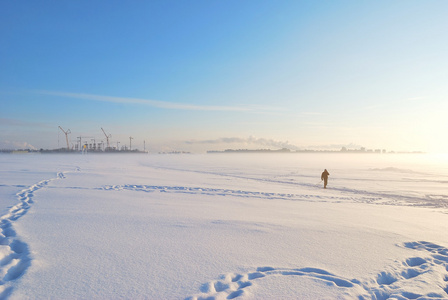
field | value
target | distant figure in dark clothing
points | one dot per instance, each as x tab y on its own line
324	177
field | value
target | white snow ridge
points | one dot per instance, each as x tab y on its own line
223	227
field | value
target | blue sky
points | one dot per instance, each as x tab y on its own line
210	75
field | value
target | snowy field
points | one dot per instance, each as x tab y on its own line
218	226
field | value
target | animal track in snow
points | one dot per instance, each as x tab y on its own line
15	257
400	281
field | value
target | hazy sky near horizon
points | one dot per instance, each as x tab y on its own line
209	75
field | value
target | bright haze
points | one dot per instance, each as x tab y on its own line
212	75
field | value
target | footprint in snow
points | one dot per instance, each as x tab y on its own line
15	256
400	281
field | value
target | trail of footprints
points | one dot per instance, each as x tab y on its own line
15	257
360	196
400	281
230	192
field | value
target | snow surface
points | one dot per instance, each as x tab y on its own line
239	226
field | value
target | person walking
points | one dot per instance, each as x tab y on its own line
324	177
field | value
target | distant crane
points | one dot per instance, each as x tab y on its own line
66	136
107	138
